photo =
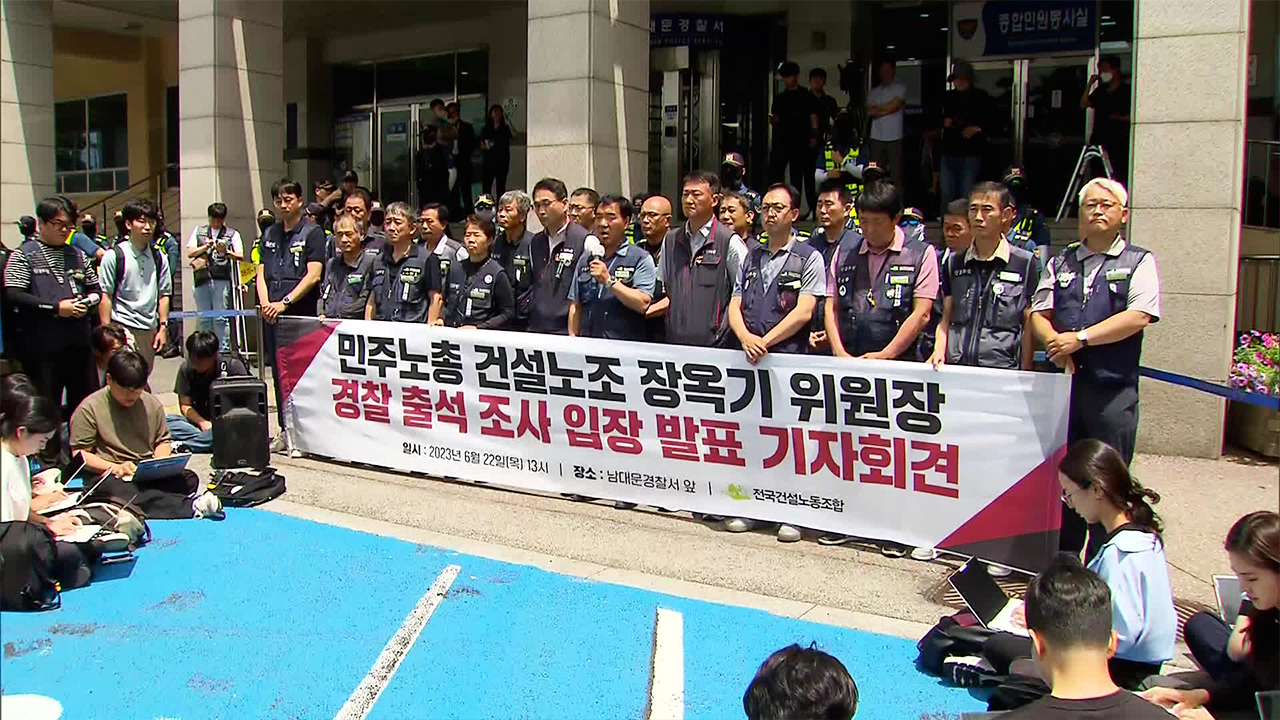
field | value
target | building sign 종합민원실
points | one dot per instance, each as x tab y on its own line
1023	27
693	30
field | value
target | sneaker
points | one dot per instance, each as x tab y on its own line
787	533
893	550
576	498
111	542
704	517
622	505
281	442
998	571
737	525
295	453
834	539
208	506
180	448
968	671
924	554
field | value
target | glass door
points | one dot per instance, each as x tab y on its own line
353	146
998	79
1054	125
395	153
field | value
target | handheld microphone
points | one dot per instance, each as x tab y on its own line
594	247
92	300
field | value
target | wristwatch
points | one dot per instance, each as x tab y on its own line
287	301
612	281
1083	337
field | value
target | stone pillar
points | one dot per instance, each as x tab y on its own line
1187	170
26	109
231	111
589	93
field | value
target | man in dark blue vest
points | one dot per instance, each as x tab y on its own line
697	267
881	289
614	281
987	291
1093	302
834	204
542	296
512	217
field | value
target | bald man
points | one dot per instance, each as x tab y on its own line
655	221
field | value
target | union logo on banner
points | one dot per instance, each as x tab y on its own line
968	28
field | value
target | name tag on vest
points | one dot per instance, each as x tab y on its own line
1117	274
410	275
1009	276
899	279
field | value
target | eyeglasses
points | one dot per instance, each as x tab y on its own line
578	208
1103	205
59	225
1068	497
653	215
769	208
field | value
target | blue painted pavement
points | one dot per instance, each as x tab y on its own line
269	616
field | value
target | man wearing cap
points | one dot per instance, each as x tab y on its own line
965	113
1090	308
794	118
1029	230
733	172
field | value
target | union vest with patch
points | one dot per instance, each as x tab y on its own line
603	314
400	288
872	309
700	287
764	307
542	300
1114	363
470	300
38	329
987	318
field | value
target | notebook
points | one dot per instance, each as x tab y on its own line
985	599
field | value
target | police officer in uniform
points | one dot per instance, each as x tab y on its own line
292	256
513	235
698	267
542	297
732	173
402	274
89	226
774	296
348	277
166	243
834	202
1028	230
477	293
883	287
49	284
987	289
1090	309
614	281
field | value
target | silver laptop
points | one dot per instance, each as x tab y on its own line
159	468
984	598
1226	588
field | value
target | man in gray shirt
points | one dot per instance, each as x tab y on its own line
136	283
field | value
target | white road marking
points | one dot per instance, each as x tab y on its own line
384	668
666	675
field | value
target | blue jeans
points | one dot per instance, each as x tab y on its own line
214	295
182	431
959	173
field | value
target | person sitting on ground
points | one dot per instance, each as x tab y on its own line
27	421
122	423
797	682
106	340
1068	614
1244	660
1096	484
192	430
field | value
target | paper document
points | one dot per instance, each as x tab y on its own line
82	534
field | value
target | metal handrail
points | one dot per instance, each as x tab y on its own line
157	178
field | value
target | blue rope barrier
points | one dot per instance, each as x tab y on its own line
214	314
1230	393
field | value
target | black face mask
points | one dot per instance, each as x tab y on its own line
731	175
90	229
265	223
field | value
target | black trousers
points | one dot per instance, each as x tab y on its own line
461	195
801	164
1003	648
493	177
1100	412
269	355
1207	635
69	370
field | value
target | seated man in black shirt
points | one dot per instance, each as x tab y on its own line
192	431
1068	614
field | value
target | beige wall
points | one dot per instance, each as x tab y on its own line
88	63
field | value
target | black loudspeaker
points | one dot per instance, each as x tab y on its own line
241	426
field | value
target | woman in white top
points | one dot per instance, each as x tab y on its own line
27	421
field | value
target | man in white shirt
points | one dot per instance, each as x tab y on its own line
214	249
885	105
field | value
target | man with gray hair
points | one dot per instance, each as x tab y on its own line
513	233
1090	309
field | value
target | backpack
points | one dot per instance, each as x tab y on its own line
959	634
119	274
246	489
27	561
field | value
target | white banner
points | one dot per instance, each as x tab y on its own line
961	458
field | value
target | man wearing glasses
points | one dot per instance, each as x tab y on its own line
49	283
1090	309
582	207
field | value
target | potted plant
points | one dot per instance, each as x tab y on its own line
1256	369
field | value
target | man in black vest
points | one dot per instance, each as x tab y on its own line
698	266
443	251
542	297
1093	302
834	203
288	281
214	249
512	218
655	221
614	280
404	274
986	307
882	288
52	286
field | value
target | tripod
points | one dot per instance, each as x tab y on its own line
1082	176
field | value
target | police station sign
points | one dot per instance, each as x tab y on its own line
675	30
960	458
997	28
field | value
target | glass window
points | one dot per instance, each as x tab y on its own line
473	72
352	86
92	134
415	77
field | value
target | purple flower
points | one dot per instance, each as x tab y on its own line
1238	382
1244	340
1262	390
